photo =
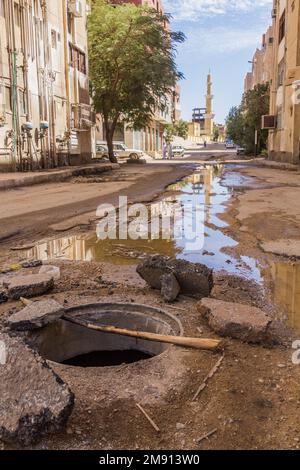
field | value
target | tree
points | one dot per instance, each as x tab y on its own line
180	129
132	64
216	134
255	104
235	126
243	121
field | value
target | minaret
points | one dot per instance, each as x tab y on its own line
209	116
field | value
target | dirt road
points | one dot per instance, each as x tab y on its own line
253	400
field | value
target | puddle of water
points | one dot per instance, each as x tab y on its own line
286	291
90	248
203	188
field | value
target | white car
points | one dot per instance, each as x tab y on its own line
101	151
178	151
230	145
124	152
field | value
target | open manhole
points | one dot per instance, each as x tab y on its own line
75	345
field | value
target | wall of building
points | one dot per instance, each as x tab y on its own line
43	78
284	140
261	62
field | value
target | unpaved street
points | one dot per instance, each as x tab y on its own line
252	401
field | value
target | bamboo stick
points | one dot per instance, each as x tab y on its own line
196	343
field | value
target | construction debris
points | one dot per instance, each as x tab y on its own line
31	285
194	279
36	315
34	401
235	320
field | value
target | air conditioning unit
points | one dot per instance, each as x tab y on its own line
75	8
268	122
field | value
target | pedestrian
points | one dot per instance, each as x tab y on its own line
170	152
205	144
165	151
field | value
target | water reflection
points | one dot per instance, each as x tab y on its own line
89	248
202	189
286	291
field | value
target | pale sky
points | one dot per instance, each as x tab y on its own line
221	36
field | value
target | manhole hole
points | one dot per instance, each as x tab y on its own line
74	345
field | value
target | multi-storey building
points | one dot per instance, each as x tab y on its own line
284	119
261	63
45	112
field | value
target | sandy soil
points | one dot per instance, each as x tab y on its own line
252	401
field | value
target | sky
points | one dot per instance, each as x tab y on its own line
222	36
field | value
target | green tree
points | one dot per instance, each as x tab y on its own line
180	129
243	121
255	104
132	64
216	134
235	125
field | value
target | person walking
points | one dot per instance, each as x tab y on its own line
165	151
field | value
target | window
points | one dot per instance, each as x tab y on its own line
279	119
1	8
81	62
77	58
280	73
53	39
17	14
7	98
22	102
282	27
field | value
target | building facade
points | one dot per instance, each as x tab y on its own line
262	62
45	112
284	119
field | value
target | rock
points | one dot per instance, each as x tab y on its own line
53	271
180	426
3	297
32	264
169	287
237	321
31	285
36	315
195	280
34	401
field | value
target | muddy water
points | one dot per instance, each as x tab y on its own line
203	189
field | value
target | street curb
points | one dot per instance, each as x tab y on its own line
56	175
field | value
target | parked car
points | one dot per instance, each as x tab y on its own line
124	152
178	151
241	151
229	144
101	151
